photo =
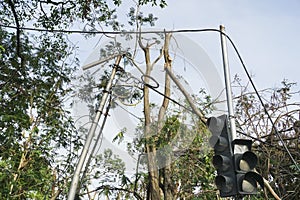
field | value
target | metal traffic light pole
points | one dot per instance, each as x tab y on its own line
232	135
91	133
234	161
228	85
244	173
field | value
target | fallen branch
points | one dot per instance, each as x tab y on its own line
187	96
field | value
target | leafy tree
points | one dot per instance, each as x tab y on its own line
166	176
38	141
165	140
35	125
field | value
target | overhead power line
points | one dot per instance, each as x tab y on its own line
262	103
108	32
170	31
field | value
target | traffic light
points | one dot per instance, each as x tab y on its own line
245	161
222	160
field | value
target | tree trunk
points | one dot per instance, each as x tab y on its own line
150	147
167	181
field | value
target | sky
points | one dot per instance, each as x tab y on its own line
265	33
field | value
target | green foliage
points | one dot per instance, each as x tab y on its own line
194	170
119	136
37	137
38	142
140	18
2	50
275	164
106	170
162	3
34	124
35	127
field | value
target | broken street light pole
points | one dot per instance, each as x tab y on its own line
91	133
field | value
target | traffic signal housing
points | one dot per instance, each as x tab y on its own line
244	162
223	158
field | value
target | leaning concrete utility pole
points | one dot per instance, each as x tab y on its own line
228	84
91	133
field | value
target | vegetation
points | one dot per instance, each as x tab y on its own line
275	163
40	145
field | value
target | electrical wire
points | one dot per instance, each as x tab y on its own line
154	88
261	141
107	32
128	81
262	103
169	98
132	114
172	31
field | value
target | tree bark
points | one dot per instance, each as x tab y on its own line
167	181
150	147
188	97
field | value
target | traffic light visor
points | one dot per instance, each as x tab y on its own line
224	183
218	143
221	162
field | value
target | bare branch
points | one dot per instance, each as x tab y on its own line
187	96
158	58
168	64
268	186
13	10
102	187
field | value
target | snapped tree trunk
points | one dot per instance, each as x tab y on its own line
150	147
167	181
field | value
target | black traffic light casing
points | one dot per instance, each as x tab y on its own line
244	163
223	158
